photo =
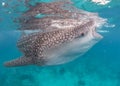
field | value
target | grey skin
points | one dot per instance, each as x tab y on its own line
38	48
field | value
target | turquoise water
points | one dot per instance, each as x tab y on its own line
100	66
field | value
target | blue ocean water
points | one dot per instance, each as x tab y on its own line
100	66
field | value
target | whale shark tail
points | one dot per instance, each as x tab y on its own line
19	62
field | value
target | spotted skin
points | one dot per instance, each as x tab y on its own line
19	62
34	45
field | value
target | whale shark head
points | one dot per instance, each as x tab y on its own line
86	36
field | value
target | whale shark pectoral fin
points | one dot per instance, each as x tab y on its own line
19	62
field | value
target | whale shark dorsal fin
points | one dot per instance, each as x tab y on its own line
19	62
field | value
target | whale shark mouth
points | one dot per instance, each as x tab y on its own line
98	24
97	35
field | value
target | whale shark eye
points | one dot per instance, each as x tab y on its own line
82	34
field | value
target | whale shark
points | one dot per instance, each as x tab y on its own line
61	36
57	46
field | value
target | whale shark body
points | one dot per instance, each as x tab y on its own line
62	39
55	47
